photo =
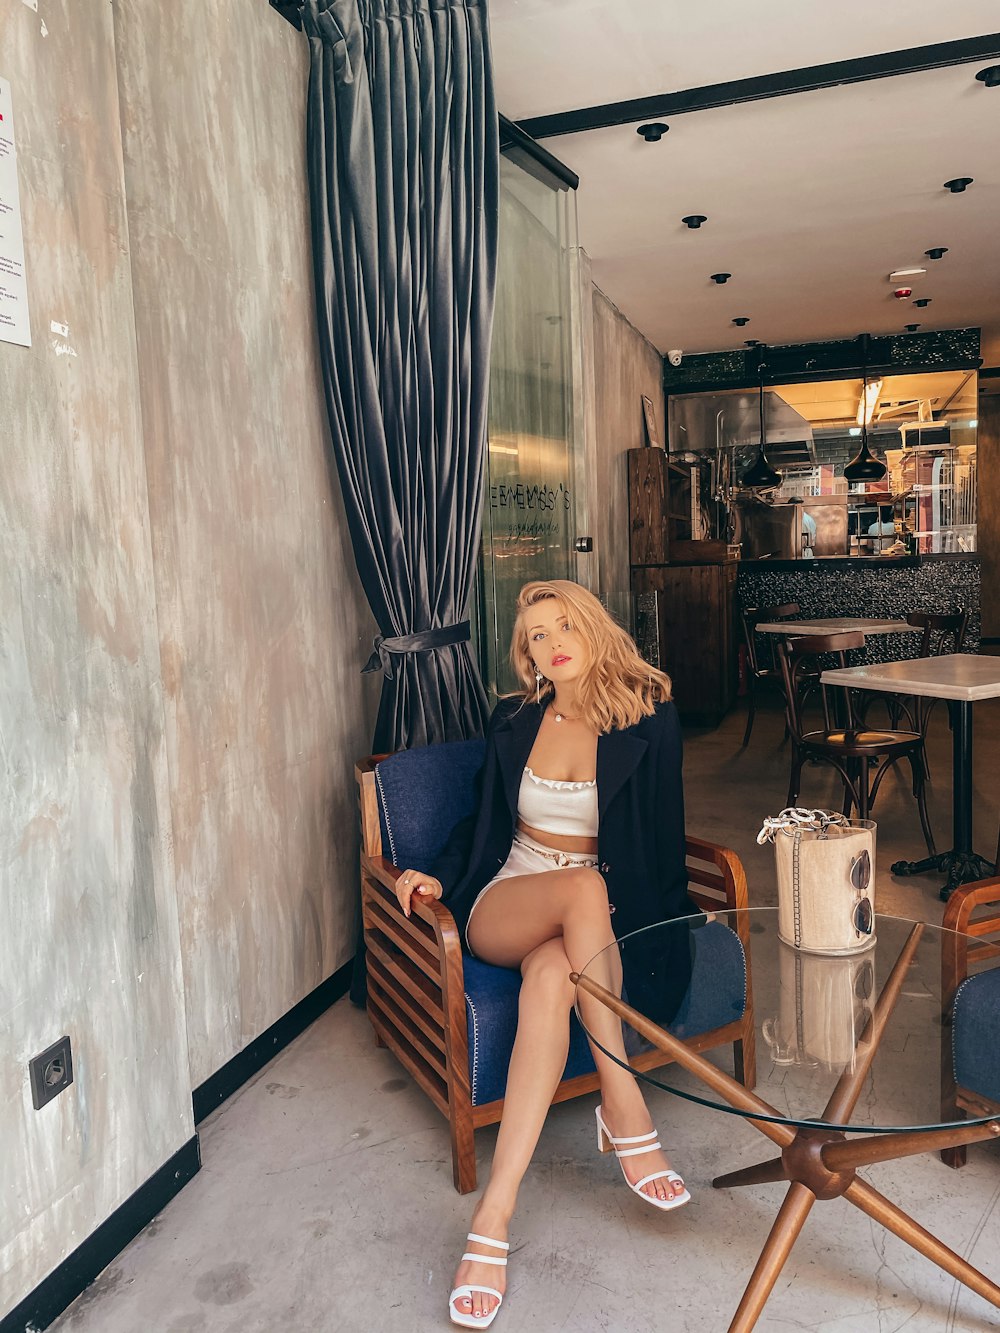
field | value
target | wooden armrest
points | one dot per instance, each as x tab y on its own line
728	882
434	912
964	901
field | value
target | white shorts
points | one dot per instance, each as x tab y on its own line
528	857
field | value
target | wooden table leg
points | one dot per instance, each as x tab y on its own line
863	1196
787	1225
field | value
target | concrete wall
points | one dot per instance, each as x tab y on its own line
626	366
181	628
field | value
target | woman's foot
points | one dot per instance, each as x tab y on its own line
635	1123
487	1221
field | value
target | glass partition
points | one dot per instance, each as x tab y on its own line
533	464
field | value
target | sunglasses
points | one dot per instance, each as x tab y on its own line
861	878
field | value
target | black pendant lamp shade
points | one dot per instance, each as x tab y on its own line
760	475
864	466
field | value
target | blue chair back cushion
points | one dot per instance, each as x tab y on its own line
423	794
716	996
976	1034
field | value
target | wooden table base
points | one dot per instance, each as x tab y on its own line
821	1163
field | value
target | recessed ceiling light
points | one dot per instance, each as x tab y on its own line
720	278
899	273
694	220
854	430
740	320
958	184
921	301
936	252
911	328
990	76
654	131
752	342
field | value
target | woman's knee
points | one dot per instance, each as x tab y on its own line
585	888
545	972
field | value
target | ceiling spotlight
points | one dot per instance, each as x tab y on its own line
752	342
720	278
654	131
959	184
921	301
694	220
740	320
990	76
936	252
911	328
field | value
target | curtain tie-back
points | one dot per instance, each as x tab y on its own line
424	641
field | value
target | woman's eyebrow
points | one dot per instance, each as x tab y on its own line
534	627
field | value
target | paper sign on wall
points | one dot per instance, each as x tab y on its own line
15	326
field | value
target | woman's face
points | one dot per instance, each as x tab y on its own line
557	649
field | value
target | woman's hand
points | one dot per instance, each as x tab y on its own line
413	882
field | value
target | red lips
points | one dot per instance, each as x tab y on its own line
560	659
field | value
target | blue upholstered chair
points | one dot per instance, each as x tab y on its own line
970	1076
449	1018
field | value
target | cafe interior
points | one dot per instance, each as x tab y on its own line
722	345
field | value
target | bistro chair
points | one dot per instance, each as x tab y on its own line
450	1019
764	670
970	1061
862	756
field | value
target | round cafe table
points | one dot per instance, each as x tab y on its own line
831	1095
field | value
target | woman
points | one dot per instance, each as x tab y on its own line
578	836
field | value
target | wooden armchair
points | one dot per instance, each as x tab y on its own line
450	1019
970	1062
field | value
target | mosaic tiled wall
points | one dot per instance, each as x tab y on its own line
858	589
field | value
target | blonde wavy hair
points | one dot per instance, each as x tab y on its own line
617	687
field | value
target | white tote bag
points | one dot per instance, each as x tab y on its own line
826	880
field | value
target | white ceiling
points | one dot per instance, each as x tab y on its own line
812	199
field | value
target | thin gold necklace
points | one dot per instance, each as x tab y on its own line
562	717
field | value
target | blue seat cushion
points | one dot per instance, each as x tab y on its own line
423	794
976	1034
716	996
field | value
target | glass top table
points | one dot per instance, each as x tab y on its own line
853	1057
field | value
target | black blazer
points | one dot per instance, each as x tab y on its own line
640	838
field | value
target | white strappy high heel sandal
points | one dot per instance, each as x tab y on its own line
607	1143
471	1320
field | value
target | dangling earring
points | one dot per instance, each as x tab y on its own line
538	686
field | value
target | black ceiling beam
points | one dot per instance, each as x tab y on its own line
514	143
807	80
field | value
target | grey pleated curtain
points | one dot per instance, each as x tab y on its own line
404	177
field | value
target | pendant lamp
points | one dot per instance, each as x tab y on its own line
864	466
760	475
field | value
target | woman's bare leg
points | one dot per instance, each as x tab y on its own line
536	1066
530	915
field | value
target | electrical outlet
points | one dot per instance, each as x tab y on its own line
51	1072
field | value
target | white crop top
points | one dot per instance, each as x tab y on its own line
551	806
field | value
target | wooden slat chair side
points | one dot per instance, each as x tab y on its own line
973	913
416	994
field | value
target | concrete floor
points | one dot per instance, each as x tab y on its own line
326	1203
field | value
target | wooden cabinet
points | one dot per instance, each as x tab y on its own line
695	600
659	505
696	631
